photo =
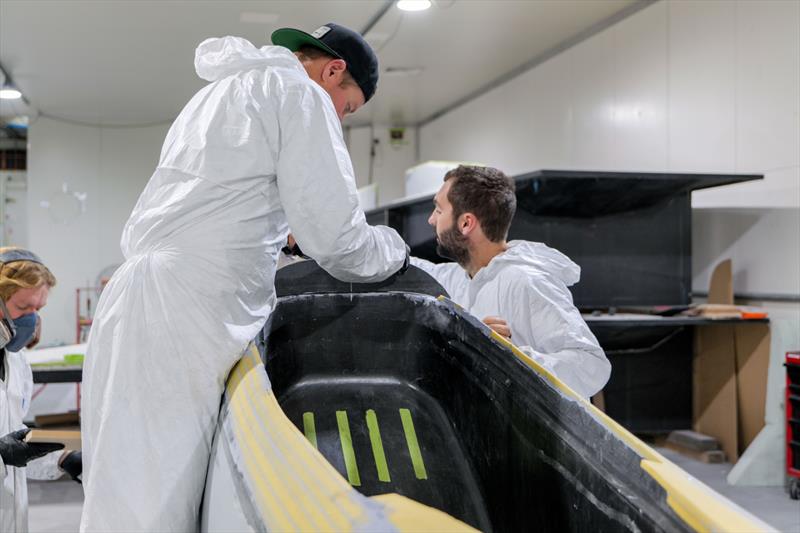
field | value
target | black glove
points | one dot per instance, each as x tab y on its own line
72	464
16	452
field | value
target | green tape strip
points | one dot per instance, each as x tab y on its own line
413	445
310	429
377	446
347	449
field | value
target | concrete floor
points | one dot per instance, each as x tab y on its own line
55	506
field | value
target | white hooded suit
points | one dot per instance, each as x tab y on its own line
527	286
255	152
15	400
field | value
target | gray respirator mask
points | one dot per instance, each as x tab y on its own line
16	334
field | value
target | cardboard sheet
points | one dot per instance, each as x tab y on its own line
730	373
70	438
714	398
720	290
752	362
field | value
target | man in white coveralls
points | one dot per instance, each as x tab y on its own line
256	151
519	288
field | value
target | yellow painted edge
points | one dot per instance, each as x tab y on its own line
324	480
254	412
407	515
698	505
727	516
410	516
693	510
278	512
338	509
273	508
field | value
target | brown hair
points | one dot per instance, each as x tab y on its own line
311	53
488	194
22	275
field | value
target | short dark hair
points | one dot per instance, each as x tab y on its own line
487	193
311	53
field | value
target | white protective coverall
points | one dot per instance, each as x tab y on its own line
258	147
527	286
15	399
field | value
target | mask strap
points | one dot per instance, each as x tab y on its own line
7	318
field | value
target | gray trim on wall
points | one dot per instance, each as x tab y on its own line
541	58
761	296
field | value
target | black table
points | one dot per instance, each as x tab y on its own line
57	374
651	384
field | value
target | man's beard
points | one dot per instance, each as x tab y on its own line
451	244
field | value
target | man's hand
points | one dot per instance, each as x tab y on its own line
71	462
16	452
499	325
406	263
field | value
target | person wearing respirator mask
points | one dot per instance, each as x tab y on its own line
24	286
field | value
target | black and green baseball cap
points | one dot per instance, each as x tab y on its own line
342	43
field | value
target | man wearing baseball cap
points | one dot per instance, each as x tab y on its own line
332	42
257	151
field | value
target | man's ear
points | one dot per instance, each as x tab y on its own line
333	71
467	223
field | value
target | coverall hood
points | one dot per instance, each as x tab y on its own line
541	257
217	58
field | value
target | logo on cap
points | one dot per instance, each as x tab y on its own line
319	32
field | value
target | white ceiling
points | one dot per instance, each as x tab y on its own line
130	62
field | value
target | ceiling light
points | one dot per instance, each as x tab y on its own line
10	94
413	5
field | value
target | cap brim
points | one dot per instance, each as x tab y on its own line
295	39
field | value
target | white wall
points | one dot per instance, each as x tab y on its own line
681	85
391	160
111	166
762	244
684	86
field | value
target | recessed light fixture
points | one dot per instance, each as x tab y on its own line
413	5
10	94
